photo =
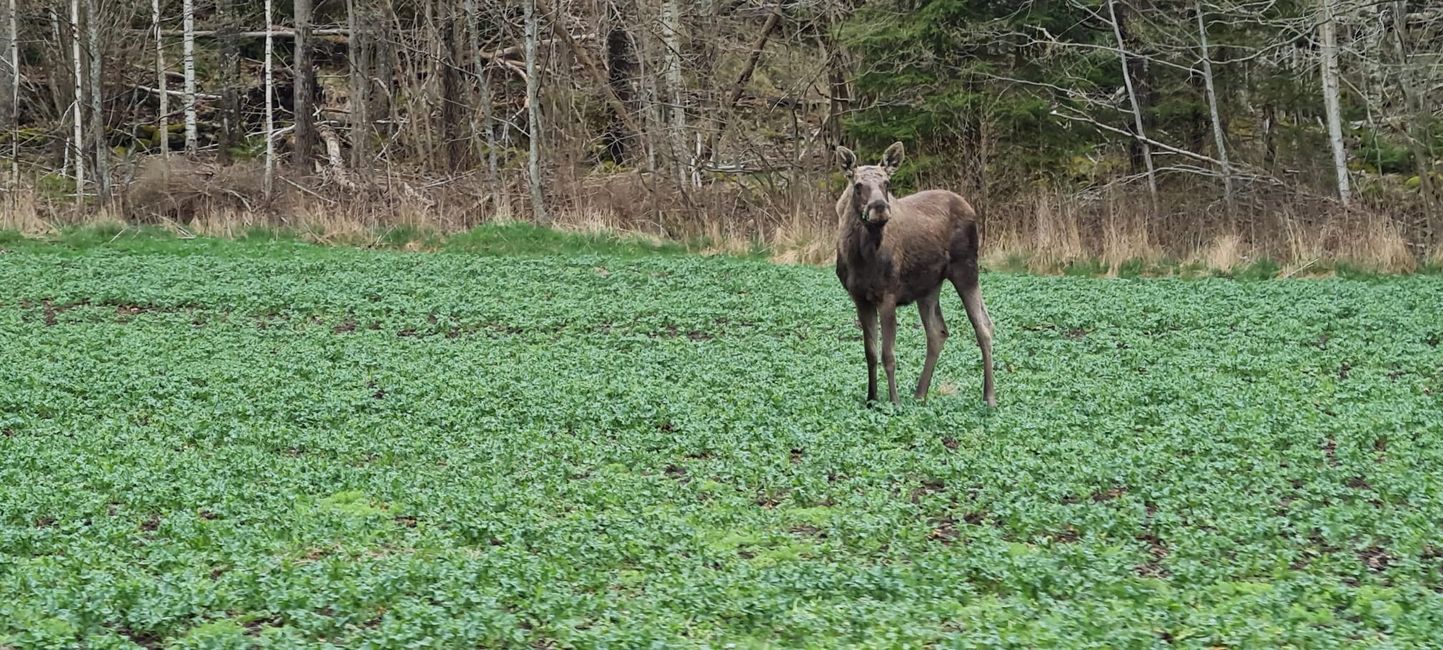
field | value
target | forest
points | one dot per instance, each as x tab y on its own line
1217	131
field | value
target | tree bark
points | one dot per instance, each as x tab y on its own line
739	86
1218	136
163	127
483	100
360	90
97	99
451	102
1136	108
621	77
10	84
1415	129
230	120
1328	33
653	118
676	90
533	122
270	164
76	107
305	89
188	67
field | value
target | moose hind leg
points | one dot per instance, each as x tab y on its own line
931	313
971	292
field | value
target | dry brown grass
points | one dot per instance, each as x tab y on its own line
1374	242
1305	245
1125	238
20	212
1056	239
804	240
1223	253
1005	237
1358	238
1047	231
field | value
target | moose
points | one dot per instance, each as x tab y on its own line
892	252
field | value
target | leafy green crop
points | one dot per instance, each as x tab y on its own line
443	450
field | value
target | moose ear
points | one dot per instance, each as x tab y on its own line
846	159
892	157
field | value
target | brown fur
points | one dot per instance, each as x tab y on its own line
893	252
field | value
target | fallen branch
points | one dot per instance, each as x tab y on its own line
306	190
739	86
1139	138
176	93
333	155
1252	173
274	32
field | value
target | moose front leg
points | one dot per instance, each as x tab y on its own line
867	316
888	313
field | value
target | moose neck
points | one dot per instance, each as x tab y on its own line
861	238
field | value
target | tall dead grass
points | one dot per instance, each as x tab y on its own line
1126	238
1046	231
20	212
1357	238
1056	236
805	240
1223	253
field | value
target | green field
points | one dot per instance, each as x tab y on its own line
273	445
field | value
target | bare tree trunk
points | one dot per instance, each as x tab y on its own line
10	79
97	98
671	40
1136	109
740	85
1416	131
652	118
163	127
188	68
533	122
360	90
483	86
230	119
1218	137
379	62
621	62
451	103
1328	33
270	171
79	149
305	89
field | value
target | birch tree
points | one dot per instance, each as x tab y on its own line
1136	108
162	131
533	112
75	107
1214	113
671	42
270	163
97	112
1418	118
11	87
483	91
187	17
1328	34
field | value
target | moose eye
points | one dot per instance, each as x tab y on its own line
857	187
